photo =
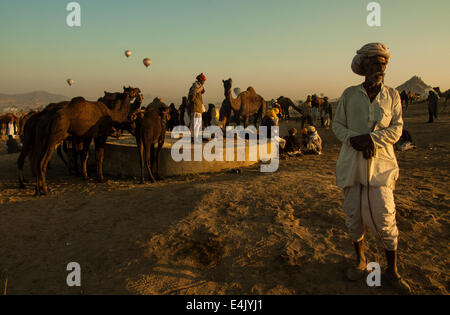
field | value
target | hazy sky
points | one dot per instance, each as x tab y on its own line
286	47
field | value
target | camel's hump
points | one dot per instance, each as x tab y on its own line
78	99
251	90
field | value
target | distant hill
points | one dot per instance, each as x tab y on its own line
28	100
415	85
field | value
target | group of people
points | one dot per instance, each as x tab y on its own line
10	129
309	143
313	109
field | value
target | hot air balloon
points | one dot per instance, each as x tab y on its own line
70	82
147	62
237	91
128	53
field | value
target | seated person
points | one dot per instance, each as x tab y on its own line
405	142
293	145
269	121
312	142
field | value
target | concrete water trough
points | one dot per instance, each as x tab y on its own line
121	156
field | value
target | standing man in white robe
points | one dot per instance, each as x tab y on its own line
369	122
196	106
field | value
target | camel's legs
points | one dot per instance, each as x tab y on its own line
99	155
245	121
60	154
84	157
141	158
158	156
43	163
74	153
148	160
20	162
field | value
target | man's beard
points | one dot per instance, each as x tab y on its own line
376	77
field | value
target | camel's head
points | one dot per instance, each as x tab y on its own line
109	98
132	122
227	84
132	92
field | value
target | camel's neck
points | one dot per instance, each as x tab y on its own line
121	109
229	97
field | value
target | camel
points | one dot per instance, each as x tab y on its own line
174	119
207	116
445	95
245	105
183	109
28	134
23	120
156	103
412	97
84	120
149	129
73	146
286	103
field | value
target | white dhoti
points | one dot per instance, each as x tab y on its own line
196	125
381	212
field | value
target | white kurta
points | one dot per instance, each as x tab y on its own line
382	119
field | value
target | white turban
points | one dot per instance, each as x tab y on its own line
369	50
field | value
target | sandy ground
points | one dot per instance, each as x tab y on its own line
223	233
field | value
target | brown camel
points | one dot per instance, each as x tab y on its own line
286	103
174	119
245	105
84	121
445	95
412	97
29	134
156	103
149	128
73	146
23	120
184	107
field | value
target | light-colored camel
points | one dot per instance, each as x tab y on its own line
244	106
